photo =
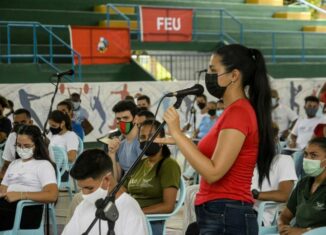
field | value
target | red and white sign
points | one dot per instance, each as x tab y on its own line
101	45
166	24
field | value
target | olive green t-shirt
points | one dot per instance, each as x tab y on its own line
146	187
308	209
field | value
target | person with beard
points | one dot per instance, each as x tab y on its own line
155	181
144	102
241	138
124	150
304	127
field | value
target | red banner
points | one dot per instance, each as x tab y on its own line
101	45
166	24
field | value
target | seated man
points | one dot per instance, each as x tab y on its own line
307	203
94	174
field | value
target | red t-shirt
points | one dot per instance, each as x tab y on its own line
319	130
236	183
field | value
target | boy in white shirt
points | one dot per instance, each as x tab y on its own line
93	172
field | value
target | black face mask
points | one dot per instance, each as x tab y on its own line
212	85
201	105
55	131
212	112
153	149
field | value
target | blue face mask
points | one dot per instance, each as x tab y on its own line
219	112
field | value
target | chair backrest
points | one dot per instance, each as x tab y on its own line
60	157
180	201
80	146
317	231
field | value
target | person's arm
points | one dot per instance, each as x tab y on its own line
3	190
229	144
113	147
4	169
3	136
72	155
280	195
284	221
48	194
167	205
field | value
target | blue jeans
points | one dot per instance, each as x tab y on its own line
226	217
157	227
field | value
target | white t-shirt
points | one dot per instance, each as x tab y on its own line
304	129
131	218
9	152
282	169
283	116
29	176
68	141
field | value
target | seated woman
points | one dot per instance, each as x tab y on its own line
62	135
307	203
282	178
155	181
30	177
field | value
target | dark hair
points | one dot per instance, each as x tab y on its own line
166	153
311	98
251	64
23	111
203	96
319	141
66	103
3	102
10	104
92	163
220	101
146	113
75	95
144	97
58	117
125	105
130	98
41	151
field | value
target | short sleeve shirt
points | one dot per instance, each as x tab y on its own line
147	187
235	184
29	176
309	209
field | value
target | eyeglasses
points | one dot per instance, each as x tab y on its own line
24	146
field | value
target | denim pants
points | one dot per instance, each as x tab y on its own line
226	217
157	227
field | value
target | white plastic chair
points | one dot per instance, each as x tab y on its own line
180	201
60	157
260	218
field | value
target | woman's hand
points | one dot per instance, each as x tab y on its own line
13	196
172	119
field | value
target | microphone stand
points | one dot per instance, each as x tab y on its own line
44	134
59	76
106	208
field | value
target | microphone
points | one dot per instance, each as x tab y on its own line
69	72
195	90
201	71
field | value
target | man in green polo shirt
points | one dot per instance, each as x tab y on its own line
308	200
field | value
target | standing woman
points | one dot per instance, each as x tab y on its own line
242	136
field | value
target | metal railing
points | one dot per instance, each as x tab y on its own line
321	10
47	58
220	33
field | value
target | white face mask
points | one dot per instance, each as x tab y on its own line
97	194
274	102
76	105
25	153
